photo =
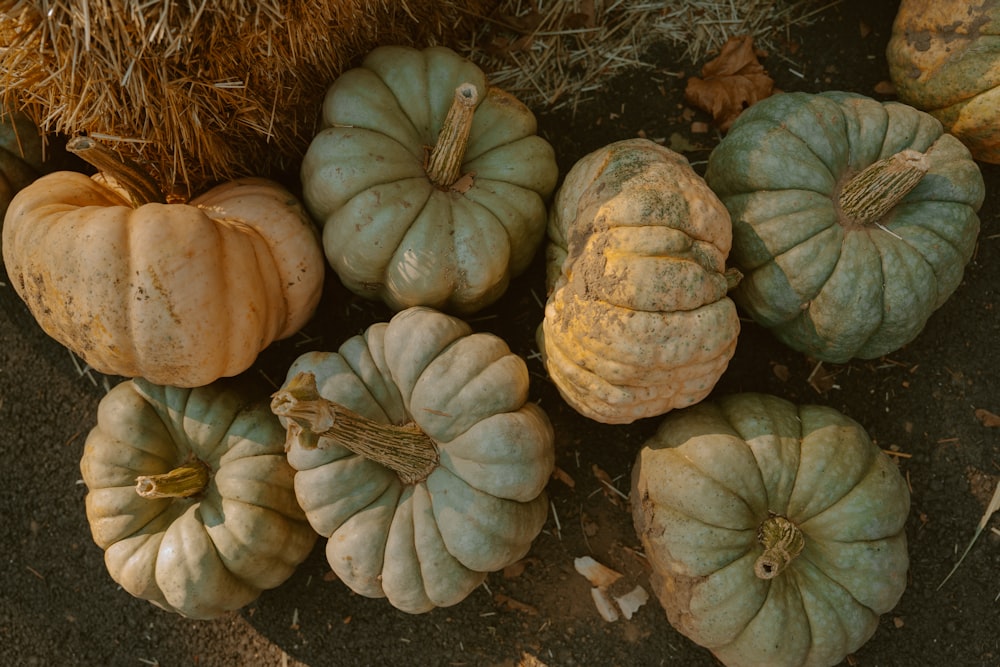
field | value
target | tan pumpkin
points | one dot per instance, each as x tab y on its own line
637	321
181	294
944	58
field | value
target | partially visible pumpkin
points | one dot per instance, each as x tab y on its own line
944	58
181	294
775	532
419	457
191	496
430	184
637	321
853	219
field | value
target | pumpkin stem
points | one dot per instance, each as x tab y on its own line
733	277
404	449
782	541
186	480
872	193
444	164
139	185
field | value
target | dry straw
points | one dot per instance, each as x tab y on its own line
559	53
205	90
200	90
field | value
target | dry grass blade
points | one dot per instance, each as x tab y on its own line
556	54
991	509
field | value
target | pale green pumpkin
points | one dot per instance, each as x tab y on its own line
191	497
419	457
429	183
774	532
853	220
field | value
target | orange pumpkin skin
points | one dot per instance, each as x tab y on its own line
944	58
180	294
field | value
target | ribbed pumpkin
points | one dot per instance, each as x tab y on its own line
775	532
182	293
419	457
944	58
430	184
191	497
637	321
853	219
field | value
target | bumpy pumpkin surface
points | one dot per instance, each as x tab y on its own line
944	58
181	294
838	276
775	532
637	321
239	532
20	155
448	228
476	502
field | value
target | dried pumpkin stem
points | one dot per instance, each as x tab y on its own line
139	185
872	193
188	479
444	165
782	541
404	449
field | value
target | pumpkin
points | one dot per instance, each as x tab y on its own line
637	321
20	155
944	58
191	497
430	185
418	457
774	532
853	219
182	293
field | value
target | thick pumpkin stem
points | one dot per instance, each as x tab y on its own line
444	165
782	541
404	449
872	193
188	479
139	185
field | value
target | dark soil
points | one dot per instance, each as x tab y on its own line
58	606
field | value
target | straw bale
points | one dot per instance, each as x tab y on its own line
201	90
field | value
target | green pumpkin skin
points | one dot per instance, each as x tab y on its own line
212	553
389	232
823	285
432	542
703	485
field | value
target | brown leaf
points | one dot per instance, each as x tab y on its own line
464	183
987	418
563	476
511	603
730	83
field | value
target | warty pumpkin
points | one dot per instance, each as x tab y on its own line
430	184
944	58
418	457
774	532
853	219
191	496
637	320
181	293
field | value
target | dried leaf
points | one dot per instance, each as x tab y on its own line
987	418
730	83
605	607
563	476
511	603
631	601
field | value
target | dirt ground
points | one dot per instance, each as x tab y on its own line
59	607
